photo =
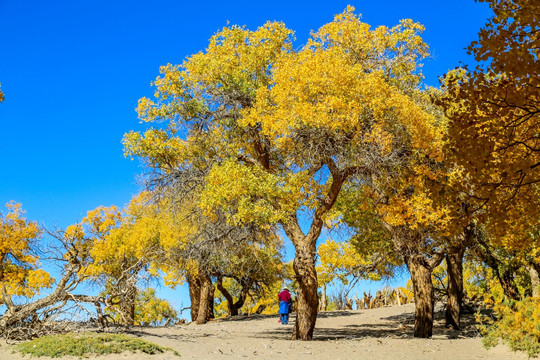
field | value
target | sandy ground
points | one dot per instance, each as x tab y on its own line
383	333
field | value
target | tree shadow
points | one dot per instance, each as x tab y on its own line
362	331
405	318
338	313
396	326
250	317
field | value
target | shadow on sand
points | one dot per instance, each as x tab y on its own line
396	326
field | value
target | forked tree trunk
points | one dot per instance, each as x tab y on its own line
233	311
231	304
206	304
454	264
424	296
308	301
194	285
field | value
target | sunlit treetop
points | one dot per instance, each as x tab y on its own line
205	94
343	86
397	50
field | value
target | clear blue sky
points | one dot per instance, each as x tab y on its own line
72	72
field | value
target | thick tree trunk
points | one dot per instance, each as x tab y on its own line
206	304
454	264
424	296
194	285
126	307
308	301
210	301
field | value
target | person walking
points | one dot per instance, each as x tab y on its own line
285	302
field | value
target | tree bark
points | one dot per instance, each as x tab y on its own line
535	280
306	250
424	296
308	301
126	306
16	313
206	304
194	285
508	284
454	264
324	301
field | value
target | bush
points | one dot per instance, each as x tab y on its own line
516	323
85	344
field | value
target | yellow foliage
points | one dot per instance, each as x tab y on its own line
277	132
126	239
249	93
339	260
517	325
494	115
19	266
150	310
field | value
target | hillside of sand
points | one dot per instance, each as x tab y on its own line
384	333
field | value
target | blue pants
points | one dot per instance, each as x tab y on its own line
284	308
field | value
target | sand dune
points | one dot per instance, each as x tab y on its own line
384	333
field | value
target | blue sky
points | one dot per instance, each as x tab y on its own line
72	72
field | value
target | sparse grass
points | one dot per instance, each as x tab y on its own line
85	344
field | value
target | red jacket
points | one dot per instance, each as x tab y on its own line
284	296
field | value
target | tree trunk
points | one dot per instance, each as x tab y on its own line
242	297
398	297
308	301
194	285
535	280
505	276
424	296
16	313
210	300
206	304
454	264
324	301
509	285
231	304
126	307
